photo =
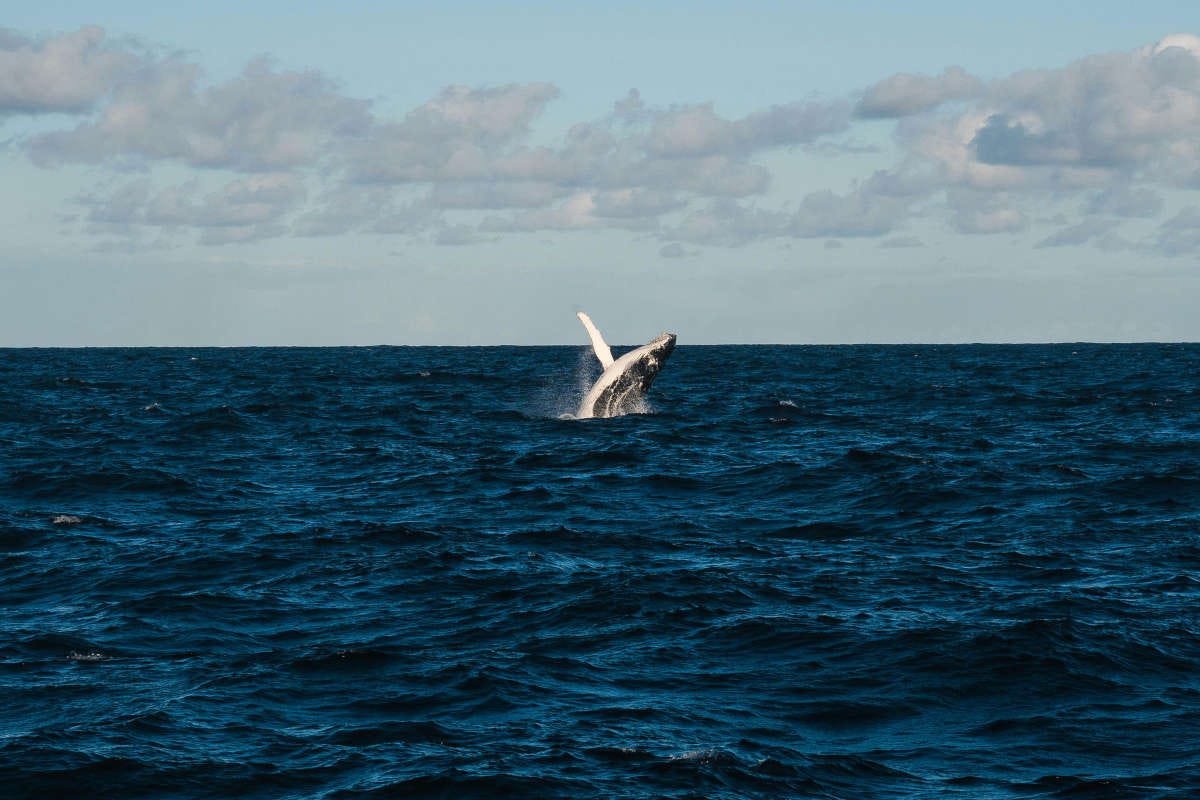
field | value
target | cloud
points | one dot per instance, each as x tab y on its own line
1128	110
672	250
975	212
1101	121
1180	235
1079	233
636	203
858	213
1123	200
462	134
905	94
896	242
576	213
728	223
344	209
263	120
666	150
68	73
457	235
692	131
1097	141
249	208
1106	131
493	195
706	176
409	218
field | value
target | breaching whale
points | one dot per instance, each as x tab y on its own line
620	388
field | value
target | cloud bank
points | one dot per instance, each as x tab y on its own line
274	152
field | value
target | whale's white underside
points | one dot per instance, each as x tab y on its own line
621	386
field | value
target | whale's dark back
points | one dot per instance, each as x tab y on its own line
624	395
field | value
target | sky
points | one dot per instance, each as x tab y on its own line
473	173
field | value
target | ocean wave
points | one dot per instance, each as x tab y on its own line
902	572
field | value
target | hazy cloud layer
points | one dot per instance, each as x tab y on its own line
1102	141
1180	235
1078	233
242	210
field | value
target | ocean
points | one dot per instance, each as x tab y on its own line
806	572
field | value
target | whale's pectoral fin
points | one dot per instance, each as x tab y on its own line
603	351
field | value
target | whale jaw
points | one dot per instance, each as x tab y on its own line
621	387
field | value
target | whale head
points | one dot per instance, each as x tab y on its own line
620	389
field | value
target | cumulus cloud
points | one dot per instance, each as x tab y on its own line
249	208
1105	133
576	213
1100	141
905	94
1138	110
729	223
261	120
68	73
691	131
459	135
480	194
854	214
636	203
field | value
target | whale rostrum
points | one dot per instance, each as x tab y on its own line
621	386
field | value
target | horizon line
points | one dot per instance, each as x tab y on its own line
978	343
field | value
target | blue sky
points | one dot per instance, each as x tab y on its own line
472	173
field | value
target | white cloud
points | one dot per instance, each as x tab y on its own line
262	120
692	131
576	213
636	203
494	194
459	135
857	213
1126	110
1103	137
68	73
248	208
905	94
726	222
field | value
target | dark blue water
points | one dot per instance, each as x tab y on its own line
829	572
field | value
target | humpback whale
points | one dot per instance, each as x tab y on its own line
624	380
